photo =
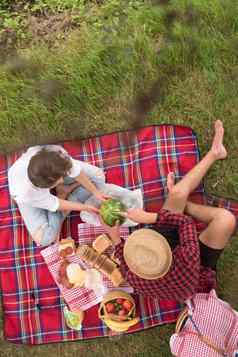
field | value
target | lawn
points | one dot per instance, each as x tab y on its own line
73	68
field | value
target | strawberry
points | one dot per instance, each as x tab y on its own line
122	312
127	305
110	307
120	301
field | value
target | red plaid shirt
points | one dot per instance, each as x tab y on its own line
186	276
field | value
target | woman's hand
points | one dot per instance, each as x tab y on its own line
101	196
140	216
90	209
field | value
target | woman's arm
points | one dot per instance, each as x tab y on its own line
65	205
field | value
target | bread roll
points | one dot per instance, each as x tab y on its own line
101	243
66	247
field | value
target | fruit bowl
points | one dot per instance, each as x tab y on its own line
118	310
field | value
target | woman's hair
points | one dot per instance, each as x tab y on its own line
47	167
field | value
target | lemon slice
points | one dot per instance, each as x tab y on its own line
73	319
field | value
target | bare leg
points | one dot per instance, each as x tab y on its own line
217	152
63	191
201	212
221	224
178	194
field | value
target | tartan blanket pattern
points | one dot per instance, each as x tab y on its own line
81	298
32	305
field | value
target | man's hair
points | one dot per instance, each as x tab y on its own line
46	167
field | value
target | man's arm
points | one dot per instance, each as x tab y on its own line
113	232
140	216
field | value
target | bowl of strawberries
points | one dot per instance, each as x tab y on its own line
118	310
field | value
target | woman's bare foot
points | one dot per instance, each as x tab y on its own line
170	181
217	148
63	191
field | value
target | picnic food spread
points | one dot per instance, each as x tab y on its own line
118	308
110	211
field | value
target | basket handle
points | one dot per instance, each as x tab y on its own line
182	317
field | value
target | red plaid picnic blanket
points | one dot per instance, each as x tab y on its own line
81	298
31	301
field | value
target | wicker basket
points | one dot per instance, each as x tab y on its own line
203	338
181	319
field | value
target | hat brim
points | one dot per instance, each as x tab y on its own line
157	244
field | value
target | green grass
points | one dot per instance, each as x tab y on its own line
124	64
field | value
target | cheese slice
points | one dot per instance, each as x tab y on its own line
76	275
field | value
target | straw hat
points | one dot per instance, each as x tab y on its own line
147	254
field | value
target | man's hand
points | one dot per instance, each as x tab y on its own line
113	232
140	216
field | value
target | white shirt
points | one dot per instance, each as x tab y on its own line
21	188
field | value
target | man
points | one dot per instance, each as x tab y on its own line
194	259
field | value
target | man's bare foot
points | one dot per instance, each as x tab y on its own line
218	149
63	191
170	181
